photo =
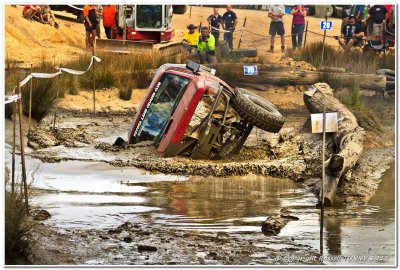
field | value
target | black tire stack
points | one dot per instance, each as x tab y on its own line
390	79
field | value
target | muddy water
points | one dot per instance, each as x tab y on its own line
92	194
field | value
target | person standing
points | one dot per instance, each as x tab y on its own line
276	13
89	12
99	17
109	12
215	21
378	15
206	47
298	24
229	22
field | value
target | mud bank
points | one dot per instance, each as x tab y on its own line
293	153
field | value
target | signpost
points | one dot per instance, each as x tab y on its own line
250	70
323	122
325	25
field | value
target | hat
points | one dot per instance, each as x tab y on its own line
191	26
352	16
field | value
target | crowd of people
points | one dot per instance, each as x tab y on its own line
40	13
363	22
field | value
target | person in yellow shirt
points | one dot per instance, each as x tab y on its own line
190	38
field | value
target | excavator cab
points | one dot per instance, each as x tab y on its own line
141	28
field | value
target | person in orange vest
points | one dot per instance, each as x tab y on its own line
89	12
109	12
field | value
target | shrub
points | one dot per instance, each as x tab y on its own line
125	84
18	230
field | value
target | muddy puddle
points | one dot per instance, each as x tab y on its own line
86	195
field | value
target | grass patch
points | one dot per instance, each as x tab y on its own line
125	86
18	230
356	61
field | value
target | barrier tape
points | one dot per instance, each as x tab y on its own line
75	7
13	98
52	75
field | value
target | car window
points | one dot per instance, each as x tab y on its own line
160	107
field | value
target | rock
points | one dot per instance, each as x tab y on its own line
128	239
126	226
142	248
104	237
114	231
40	214
273	225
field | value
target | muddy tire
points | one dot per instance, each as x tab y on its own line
258	111
223	48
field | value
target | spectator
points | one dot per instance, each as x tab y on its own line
99	17
190	38
89	12
109	12
229	22
31	12
276	13
48	17
206	47
351	34
215	21
378	15
298	25
359	12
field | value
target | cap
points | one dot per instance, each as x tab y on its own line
352	16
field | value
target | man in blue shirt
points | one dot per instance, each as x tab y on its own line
215	21
229	24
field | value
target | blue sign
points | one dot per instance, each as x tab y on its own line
250	70
326	25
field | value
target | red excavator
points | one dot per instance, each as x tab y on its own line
142	28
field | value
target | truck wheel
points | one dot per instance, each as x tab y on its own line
258	111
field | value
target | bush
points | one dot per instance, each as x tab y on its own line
125	84
18	230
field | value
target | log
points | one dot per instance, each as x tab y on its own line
280	75
349	139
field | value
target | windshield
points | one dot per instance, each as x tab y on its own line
160	107
149	16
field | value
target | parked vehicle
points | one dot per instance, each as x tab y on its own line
189	111
77	10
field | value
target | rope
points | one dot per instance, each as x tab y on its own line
10	99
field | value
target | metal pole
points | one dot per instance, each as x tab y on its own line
241	32
13	149
323	41
21	134
94	85
321	233
30	105
305	35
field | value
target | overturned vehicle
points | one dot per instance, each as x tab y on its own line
189	111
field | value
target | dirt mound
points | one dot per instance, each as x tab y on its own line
31	41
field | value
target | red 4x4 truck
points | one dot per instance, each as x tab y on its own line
189	111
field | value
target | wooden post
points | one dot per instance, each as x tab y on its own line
94	84
323	41
305	35
241	32
21	134
30	105
190	12
321	232
13	150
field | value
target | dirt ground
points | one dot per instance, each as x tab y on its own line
37	41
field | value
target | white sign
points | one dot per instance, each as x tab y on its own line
326	25
250	70
331	124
